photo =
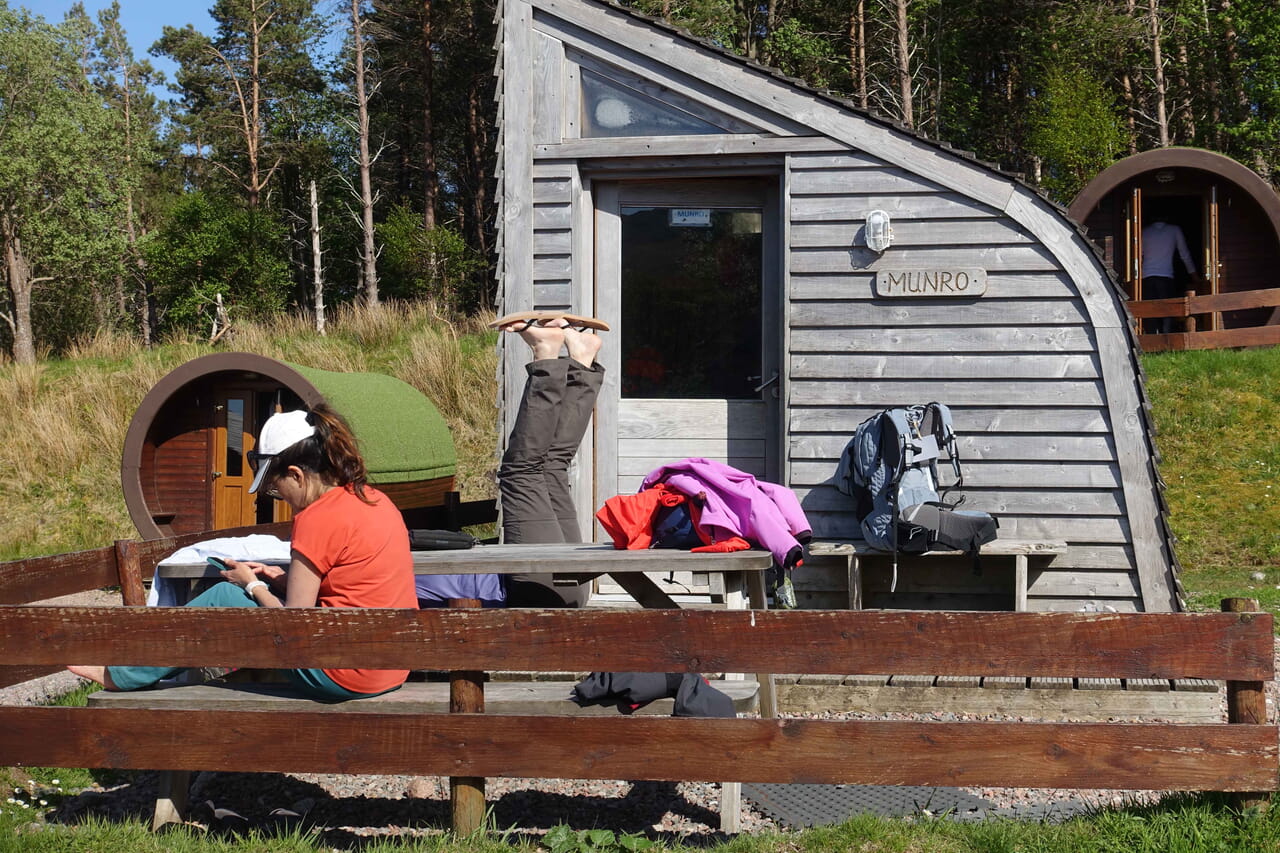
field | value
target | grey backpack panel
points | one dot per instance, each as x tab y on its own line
890	467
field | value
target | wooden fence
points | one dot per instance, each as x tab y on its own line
1189	313
1240	754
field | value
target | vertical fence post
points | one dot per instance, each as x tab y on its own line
466	696
129	570
174	785
1246	703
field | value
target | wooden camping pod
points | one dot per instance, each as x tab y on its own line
717	215
1229	214
184	468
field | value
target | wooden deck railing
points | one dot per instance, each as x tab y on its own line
1196	334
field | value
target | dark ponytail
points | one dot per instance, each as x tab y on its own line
332	452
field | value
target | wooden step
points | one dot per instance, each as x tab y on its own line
1183	700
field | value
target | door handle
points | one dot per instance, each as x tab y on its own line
763	385
217	474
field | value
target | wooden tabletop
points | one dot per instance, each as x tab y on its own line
561	559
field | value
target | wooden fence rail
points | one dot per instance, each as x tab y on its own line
1227	646
1200	335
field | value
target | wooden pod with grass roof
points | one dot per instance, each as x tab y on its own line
184	468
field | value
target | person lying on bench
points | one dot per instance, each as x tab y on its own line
349	548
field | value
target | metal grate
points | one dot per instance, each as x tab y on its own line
798	806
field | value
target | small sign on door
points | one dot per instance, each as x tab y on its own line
690	217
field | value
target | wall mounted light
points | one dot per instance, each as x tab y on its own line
879	231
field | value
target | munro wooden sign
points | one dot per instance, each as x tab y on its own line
911	283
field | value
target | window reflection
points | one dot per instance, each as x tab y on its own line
235	438
611	109
691	325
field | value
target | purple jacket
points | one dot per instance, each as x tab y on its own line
737	504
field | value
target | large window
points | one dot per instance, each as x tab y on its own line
691	280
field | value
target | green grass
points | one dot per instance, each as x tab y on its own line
65	420
1182	824
1217	415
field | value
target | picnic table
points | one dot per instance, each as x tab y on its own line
742	571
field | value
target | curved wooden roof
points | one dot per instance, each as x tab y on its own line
1177	158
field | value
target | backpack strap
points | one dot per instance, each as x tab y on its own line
939	417
900	423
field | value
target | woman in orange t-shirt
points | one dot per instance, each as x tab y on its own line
349	548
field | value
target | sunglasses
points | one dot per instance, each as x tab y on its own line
255	458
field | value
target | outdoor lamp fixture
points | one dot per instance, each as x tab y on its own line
879	231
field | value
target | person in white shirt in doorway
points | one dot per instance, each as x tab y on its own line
1161	240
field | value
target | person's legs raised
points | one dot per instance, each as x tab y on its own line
527	514
531	507
582	386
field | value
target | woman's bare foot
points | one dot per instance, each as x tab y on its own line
582	346
545	338
94	673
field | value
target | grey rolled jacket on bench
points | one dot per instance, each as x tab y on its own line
694	697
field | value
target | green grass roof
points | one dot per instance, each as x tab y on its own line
402	435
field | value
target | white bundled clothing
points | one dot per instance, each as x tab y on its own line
259	547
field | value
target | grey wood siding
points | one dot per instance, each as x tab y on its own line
1019	367
1041	372
553	237
652	433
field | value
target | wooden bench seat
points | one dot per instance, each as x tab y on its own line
532	697
856	551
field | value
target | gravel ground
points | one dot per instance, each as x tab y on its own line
352	807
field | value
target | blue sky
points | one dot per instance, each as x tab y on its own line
143	20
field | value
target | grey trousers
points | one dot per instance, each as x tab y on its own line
533	479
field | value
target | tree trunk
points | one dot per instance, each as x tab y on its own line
1212	73
1157	58
369	253
770	23
478	157
430	181
18	273
904	64
1186	106
748	45
1126	87
1229	38
142	304
858	52
253	123
317	267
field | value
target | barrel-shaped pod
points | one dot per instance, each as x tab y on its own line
184	468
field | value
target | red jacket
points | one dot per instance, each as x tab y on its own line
629	520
